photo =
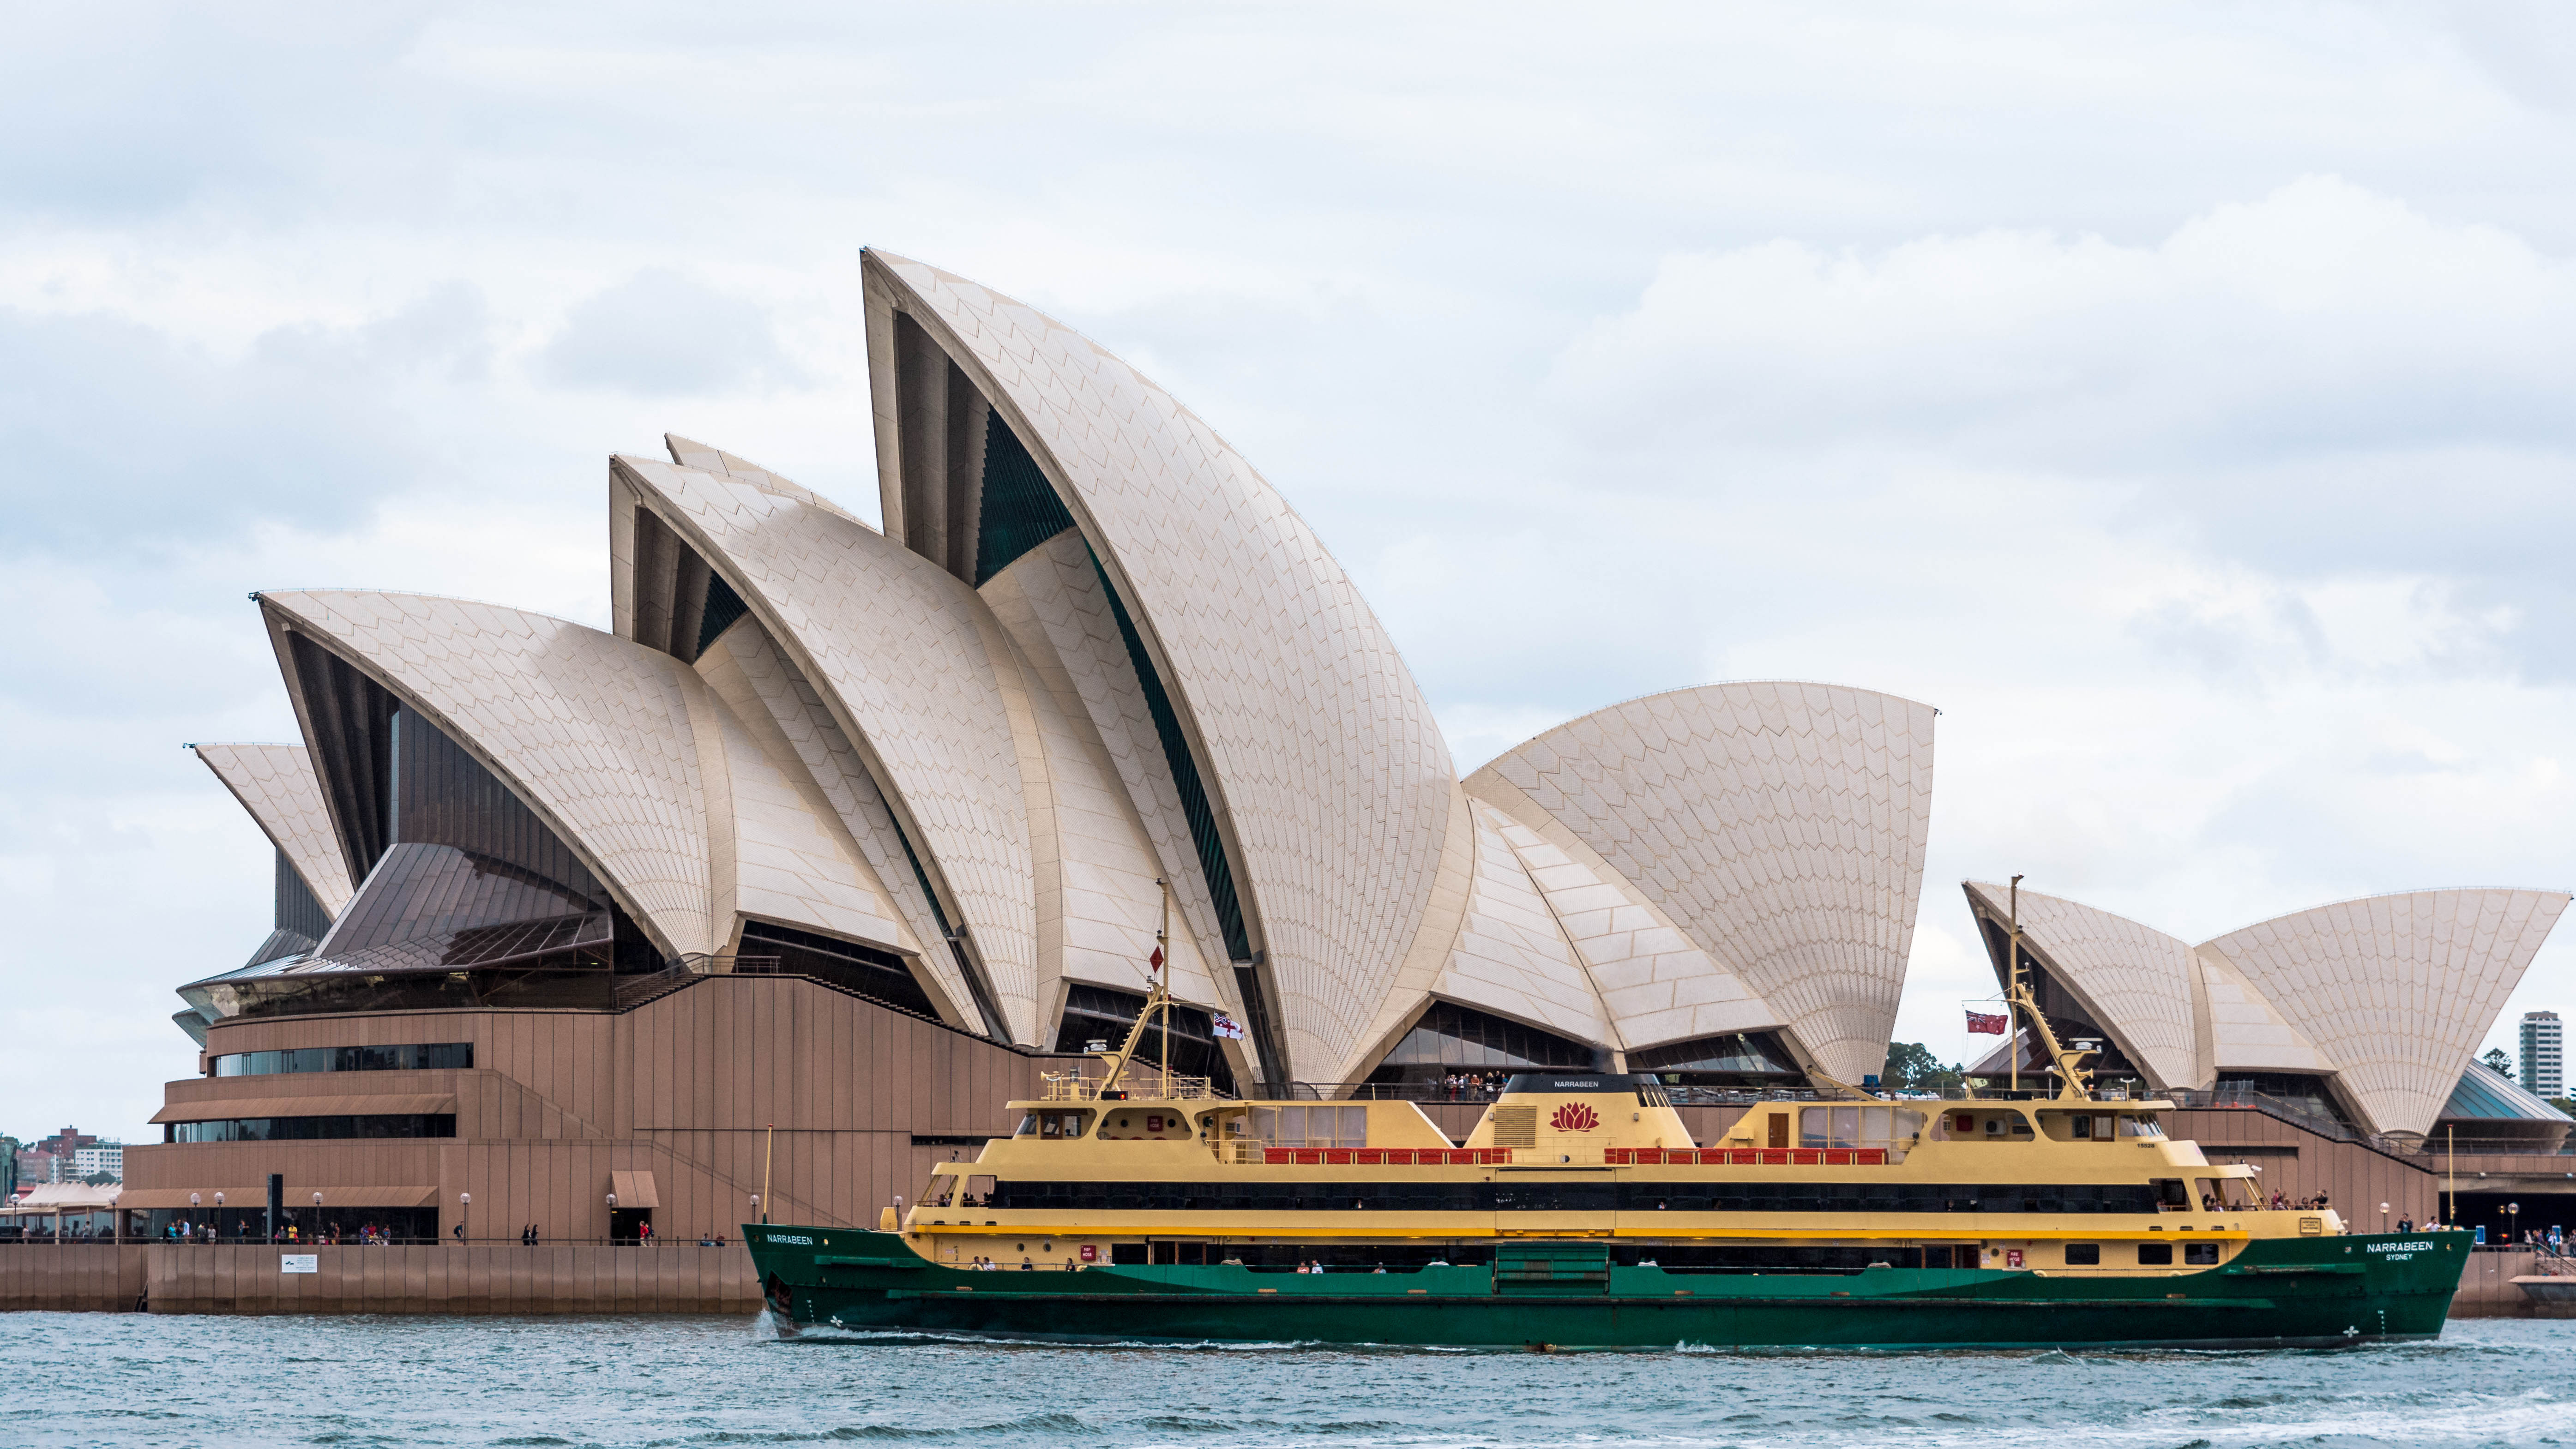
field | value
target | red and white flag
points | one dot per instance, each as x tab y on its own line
1226	1027
1978	1021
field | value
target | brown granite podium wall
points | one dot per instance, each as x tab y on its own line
685	1088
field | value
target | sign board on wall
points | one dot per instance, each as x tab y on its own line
299	1262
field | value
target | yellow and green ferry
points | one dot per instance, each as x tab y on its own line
1132	1204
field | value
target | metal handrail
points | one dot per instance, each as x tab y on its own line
1142	1085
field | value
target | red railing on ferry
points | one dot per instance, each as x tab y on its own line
1387	1156
1745	1157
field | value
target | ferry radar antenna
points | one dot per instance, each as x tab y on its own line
2074	1082
1158	997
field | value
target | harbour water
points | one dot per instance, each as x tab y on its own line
144	1380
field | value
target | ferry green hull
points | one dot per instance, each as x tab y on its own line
2279	1293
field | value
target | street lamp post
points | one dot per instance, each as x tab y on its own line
2512	1220
464	1208
612	1220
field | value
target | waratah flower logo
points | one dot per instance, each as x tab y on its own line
1574	1117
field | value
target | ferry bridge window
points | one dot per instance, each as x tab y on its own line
1857	1126
1321	1126
311	1129
409	1057
1054	1125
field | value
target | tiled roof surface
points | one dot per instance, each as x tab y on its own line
1325	757
2396	990
1783	826
594	731
276	784
916	670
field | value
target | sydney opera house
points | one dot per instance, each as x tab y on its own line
845	832
842	835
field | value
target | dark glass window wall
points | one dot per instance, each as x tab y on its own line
311	1129
1735	1059
880	976
1452	1038
411	1057
297	909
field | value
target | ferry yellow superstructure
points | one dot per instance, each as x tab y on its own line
1581	1211
1584	1156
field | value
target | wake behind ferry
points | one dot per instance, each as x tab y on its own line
1131	1204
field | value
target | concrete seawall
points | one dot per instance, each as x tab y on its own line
71	1277
2487	1289
169	1278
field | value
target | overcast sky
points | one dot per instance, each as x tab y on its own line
2176	396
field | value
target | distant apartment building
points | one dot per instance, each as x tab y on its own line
66	1142
107	1157
2544	1071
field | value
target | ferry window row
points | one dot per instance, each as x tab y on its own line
408	1057
311	1129
1671	1257
1413	1257
1507	1196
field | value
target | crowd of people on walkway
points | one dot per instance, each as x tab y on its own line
1473	1086
329	1235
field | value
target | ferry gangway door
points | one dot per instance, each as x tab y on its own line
1554	1270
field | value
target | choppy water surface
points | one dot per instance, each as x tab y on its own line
97	1379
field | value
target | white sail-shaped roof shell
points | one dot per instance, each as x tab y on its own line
276	784
591	732
920	677
1324	768
1105	820
2396	990
2385	995
1781	826
2141	984
626	754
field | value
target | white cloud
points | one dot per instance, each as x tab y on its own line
2174	397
